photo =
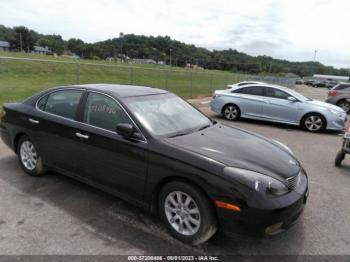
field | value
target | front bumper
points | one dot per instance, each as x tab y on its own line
258	222
336	121
215	106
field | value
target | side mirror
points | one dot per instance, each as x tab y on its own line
125	130
292	98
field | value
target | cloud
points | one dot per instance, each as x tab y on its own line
280	28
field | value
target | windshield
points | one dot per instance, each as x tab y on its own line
166	115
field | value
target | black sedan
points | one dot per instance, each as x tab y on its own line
319	84
155	150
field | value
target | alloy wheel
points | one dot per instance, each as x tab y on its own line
231	112
29	156
345	106
182	213
313	123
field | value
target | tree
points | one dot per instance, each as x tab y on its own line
23	39
76	46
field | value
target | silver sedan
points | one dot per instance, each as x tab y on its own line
277	104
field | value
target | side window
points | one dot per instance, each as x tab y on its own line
62	103
276	93
104	112
251	90
238	91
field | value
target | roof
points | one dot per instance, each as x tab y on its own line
4	44
122	90
262	84
245	83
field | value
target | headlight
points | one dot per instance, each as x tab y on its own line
257	181
284	146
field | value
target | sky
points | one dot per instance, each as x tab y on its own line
286	29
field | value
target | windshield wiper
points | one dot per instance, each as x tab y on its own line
186	133
204	127
179	134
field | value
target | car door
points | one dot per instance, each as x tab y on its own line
251	100
53	126
112	161
277	106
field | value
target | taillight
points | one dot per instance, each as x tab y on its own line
332	92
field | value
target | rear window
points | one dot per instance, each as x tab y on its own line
342	86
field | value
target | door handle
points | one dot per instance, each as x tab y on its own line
33	121
82	136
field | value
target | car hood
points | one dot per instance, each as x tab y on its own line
238	148
325	105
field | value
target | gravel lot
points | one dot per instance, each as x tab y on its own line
57	215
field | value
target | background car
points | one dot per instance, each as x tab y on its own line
331	84
299	82
153	149
277	104
243	84
309	82
319	84
340	95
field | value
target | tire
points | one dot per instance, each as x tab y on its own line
29	157
345	105
339	158
231	112
201	221
313	122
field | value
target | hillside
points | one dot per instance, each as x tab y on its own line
161	48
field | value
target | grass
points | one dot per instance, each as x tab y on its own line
22	78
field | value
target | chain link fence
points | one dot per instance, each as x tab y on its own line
21	77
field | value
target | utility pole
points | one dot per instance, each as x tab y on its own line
313	64
121	36
20	41
28	48
170	56
315	55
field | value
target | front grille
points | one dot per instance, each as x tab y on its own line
293	181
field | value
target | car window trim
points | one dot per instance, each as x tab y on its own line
121	106
82	106
58	90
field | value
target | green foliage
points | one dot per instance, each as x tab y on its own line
20	79
24	38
